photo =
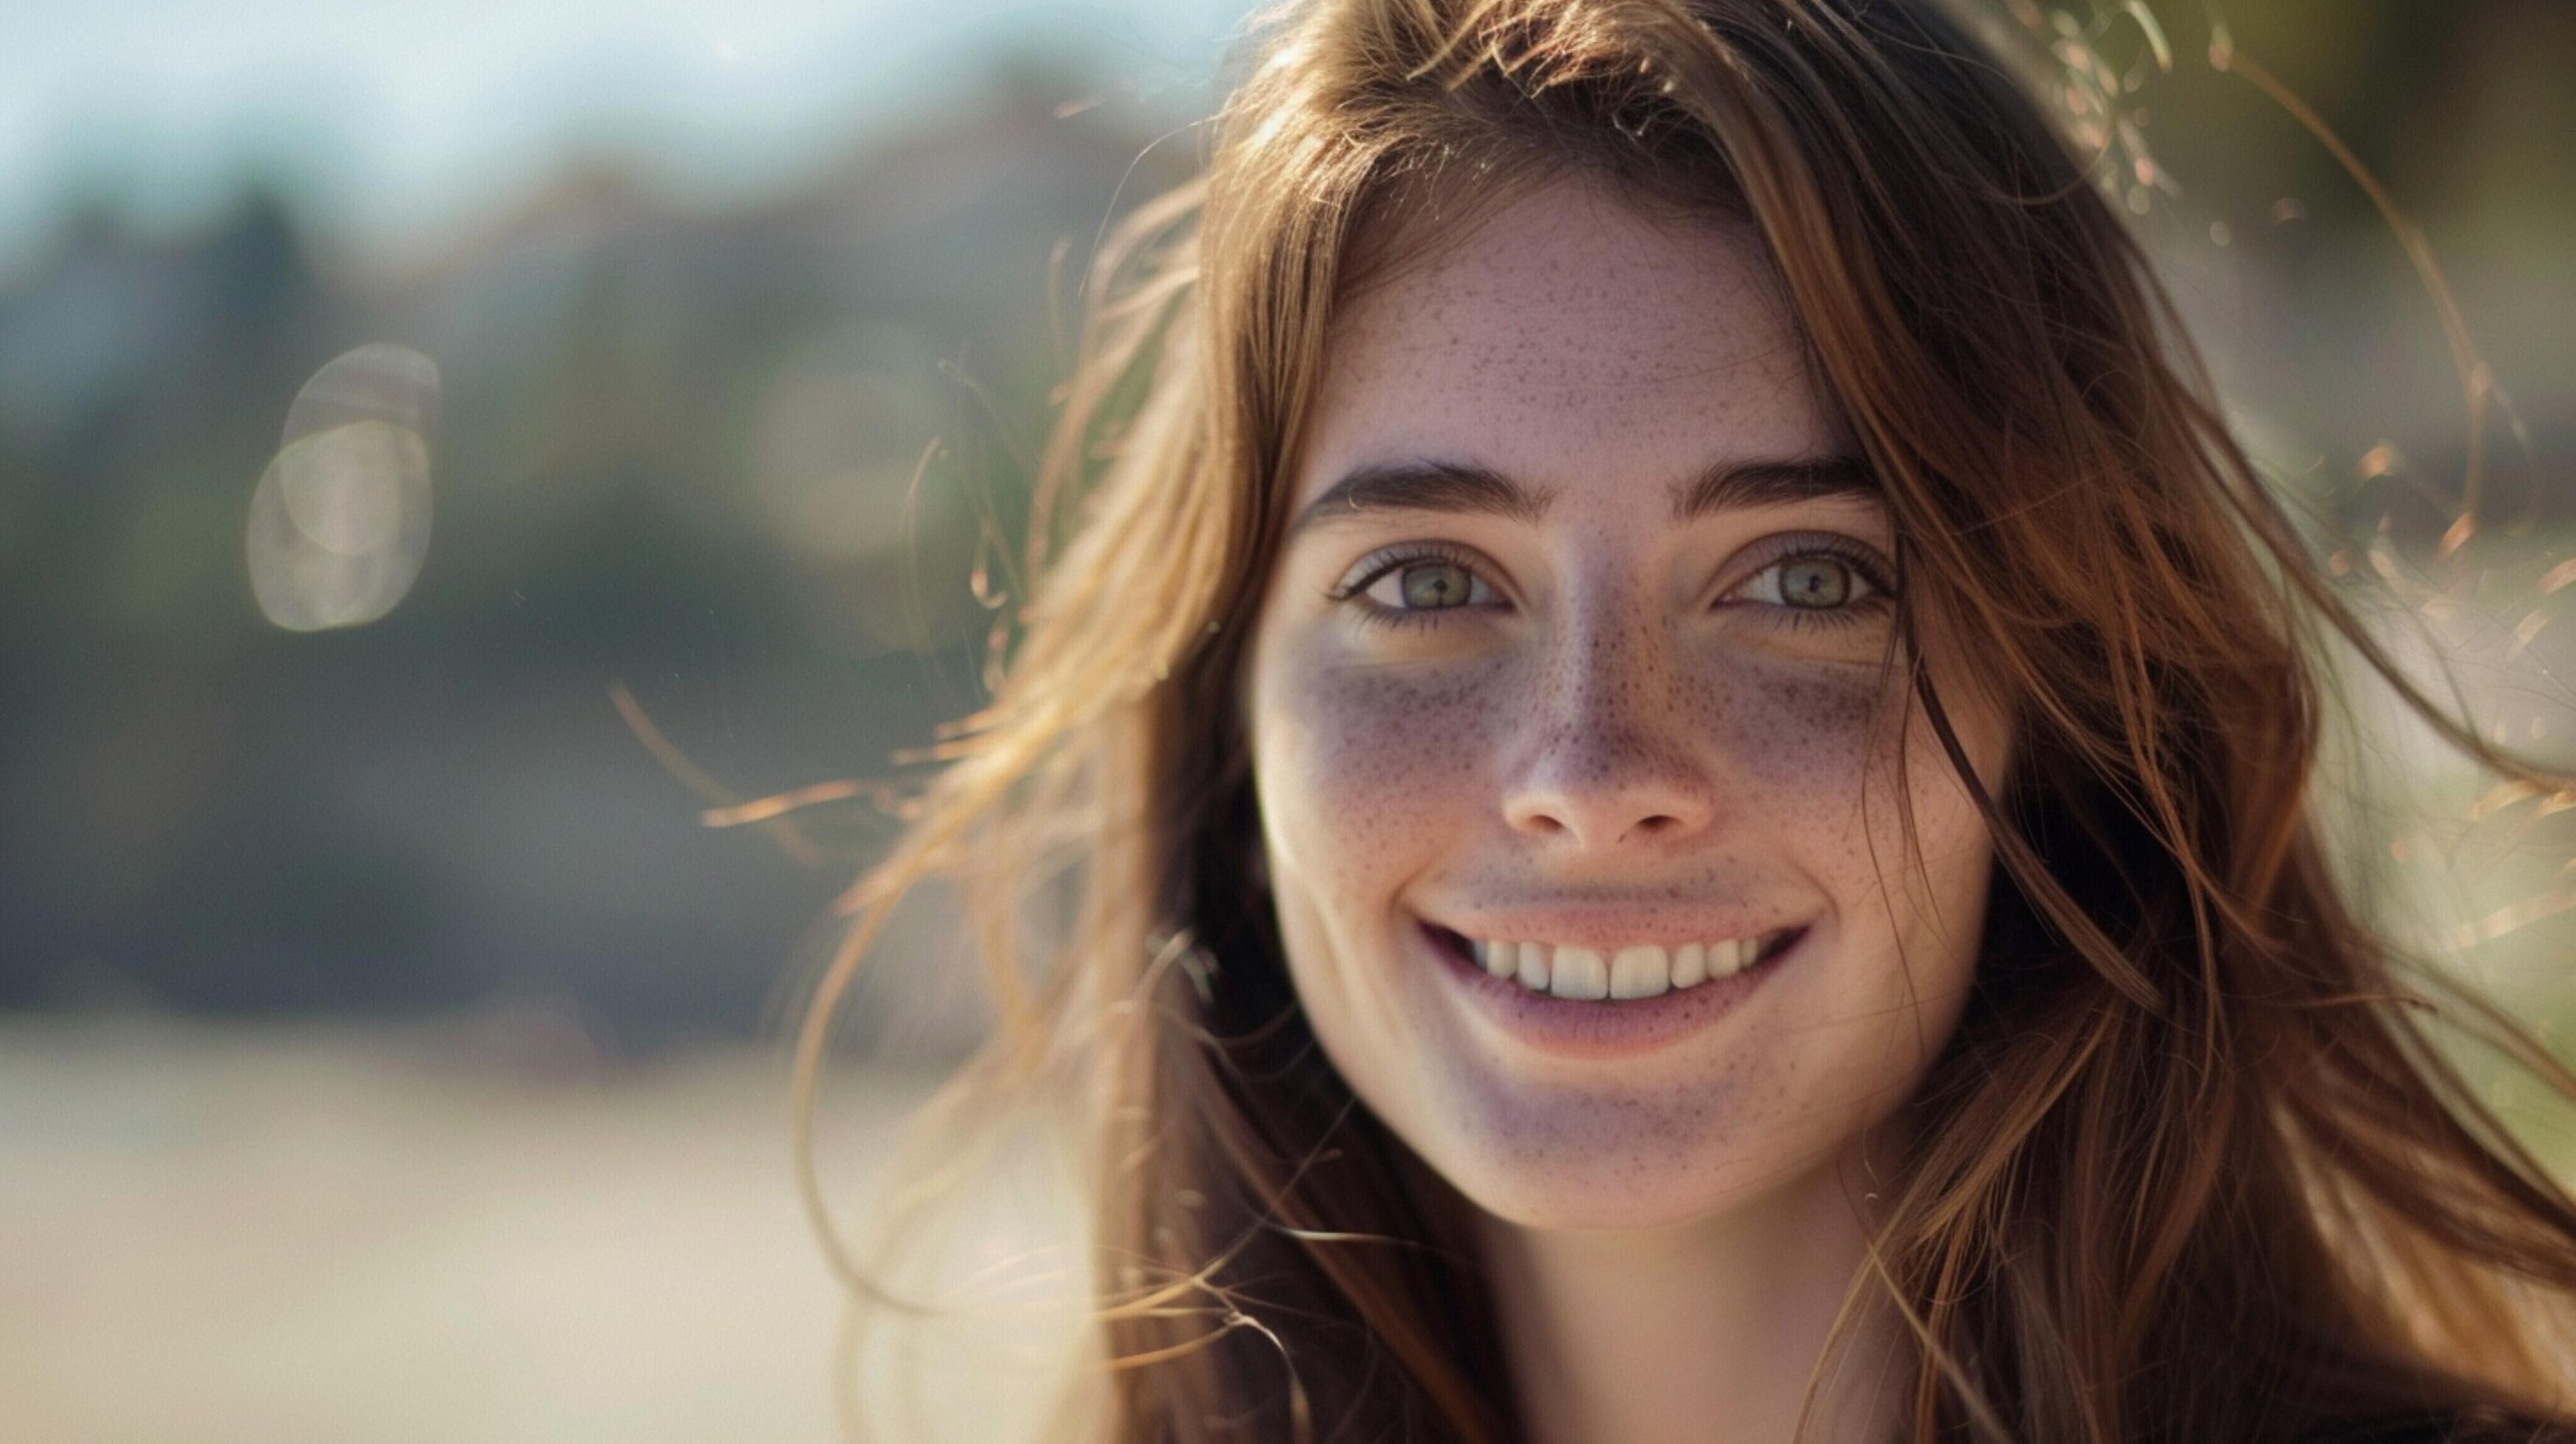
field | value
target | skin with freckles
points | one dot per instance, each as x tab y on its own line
1580	707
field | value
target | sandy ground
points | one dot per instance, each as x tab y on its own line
487	1230
439	1232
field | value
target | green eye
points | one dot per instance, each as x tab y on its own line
1812	581
1428	586
1815	581
1420	586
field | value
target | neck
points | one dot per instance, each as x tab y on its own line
1704	1331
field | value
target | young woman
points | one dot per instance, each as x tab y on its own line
1683	752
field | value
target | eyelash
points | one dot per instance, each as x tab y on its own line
1862	561
1374	568
1379	564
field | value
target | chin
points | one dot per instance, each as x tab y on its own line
1641	1189
1557	1210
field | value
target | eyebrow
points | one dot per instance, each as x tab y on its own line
1774	483
1465	487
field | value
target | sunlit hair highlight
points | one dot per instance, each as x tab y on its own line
2189	1169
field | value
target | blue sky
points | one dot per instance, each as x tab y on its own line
397	123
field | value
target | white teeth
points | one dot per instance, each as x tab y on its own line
1578	973
1640	972
1533	973
1690	965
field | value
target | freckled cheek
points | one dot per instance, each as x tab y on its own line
1798	740
1366	772
1844	758
1814	753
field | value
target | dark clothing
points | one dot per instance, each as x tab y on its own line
2438	1429
2417	1430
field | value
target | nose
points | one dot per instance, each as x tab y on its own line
1614	761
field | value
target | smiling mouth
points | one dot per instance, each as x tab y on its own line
1613	975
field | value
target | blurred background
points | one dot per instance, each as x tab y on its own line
446	450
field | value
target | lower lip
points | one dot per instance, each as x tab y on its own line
1585	1029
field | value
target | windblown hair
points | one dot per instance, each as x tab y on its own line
2193	1172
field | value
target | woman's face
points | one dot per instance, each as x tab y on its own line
1573	665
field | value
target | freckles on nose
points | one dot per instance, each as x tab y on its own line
1615	756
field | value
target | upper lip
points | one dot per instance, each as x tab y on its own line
1606	927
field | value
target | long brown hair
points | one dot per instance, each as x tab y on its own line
2193	1172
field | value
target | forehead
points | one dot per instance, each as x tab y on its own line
1570	341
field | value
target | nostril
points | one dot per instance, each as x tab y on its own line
1611	782
1542	823
1547	822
